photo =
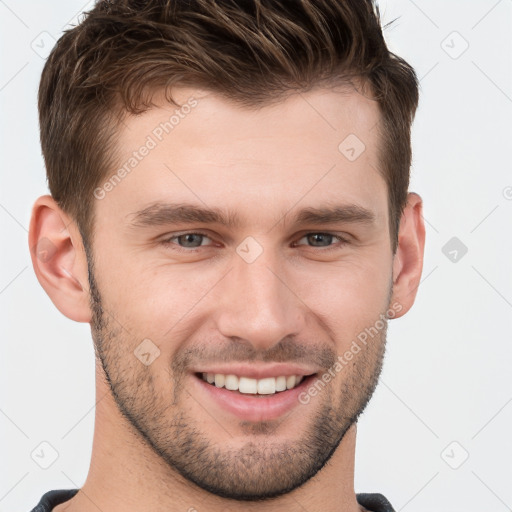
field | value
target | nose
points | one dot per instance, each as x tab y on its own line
258	303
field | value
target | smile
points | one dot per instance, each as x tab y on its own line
247	385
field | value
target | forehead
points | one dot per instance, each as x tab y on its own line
313	147
206	117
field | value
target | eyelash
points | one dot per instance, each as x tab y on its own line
168	241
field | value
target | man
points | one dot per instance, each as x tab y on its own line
230	212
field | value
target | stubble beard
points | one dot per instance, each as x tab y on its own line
258	470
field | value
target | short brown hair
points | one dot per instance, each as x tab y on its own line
253	52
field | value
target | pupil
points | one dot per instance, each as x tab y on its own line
189	237
319	236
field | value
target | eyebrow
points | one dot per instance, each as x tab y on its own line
160	214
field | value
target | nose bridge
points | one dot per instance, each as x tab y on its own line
257	304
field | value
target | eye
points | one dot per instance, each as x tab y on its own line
191	241
324	240
186	240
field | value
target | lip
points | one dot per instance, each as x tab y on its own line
252	408
254	371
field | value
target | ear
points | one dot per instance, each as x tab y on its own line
408	259
59	260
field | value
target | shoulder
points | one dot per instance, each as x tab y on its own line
51	499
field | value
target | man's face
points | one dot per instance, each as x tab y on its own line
266	293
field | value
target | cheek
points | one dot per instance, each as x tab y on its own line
350	296
156	301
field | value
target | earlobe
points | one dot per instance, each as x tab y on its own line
58	259
408	260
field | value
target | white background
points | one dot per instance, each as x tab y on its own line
447	375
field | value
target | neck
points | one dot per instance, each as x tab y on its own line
126	475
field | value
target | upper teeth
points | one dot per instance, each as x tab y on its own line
266	386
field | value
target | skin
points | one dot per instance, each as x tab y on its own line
294	303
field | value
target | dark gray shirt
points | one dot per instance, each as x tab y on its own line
374	502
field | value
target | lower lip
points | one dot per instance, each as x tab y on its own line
254	407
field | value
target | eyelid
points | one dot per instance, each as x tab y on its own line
167	239
342	240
